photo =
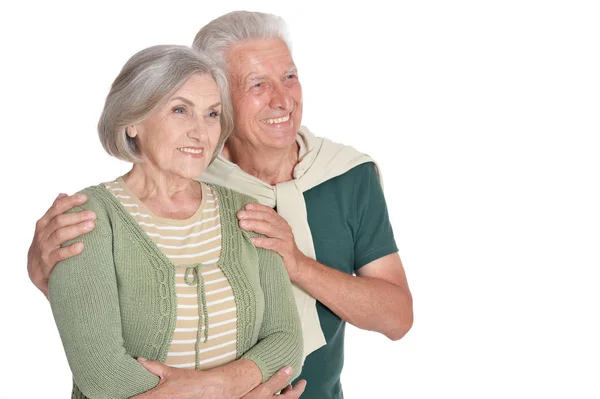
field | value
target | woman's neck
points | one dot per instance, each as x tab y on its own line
272	167
165	194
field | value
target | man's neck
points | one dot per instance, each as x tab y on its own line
272	167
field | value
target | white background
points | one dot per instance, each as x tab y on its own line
484	117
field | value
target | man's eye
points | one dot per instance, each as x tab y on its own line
292	76
258	85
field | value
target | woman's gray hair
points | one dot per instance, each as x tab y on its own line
145	83
217	37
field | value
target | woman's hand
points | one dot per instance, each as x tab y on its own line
192	384
279	236
183	383
269	388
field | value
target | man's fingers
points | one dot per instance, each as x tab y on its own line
267	243
286	389
261	208
59	196
51	231
60	206
69	219
65	253
272	218
60	235
51	251
260	227
294	392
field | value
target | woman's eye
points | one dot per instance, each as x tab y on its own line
179	110
214	114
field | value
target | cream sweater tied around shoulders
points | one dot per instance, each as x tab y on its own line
319	160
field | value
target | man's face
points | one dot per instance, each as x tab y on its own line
266	93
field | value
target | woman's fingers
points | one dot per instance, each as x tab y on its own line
294	392
156	368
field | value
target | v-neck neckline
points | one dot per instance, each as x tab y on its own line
148	241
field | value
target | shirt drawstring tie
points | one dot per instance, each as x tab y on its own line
194	276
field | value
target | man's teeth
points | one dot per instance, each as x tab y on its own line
191	150
279	120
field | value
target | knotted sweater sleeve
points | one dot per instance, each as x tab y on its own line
84	299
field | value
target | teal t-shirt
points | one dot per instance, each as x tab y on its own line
350	226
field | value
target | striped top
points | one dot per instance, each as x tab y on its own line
116	300
187	243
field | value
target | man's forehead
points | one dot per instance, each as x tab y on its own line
260	54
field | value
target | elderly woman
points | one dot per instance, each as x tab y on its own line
331	226
167	274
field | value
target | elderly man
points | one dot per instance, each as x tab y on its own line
331	226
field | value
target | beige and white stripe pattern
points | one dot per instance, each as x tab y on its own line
186	243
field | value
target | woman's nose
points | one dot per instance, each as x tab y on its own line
197	128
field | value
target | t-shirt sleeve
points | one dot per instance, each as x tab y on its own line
374	237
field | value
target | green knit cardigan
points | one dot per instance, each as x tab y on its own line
116	300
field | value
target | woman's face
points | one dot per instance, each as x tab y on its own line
179	138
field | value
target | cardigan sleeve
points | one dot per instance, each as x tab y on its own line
280	337
83	294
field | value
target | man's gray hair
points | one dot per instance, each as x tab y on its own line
145	83
217	37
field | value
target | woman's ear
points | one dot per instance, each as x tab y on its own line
131	131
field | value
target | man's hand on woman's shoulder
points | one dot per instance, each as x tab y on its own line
51	231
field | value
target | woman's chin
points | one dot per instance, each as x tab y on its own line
188	172
193	174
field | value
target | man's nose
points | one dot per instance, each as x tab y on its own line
281	98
